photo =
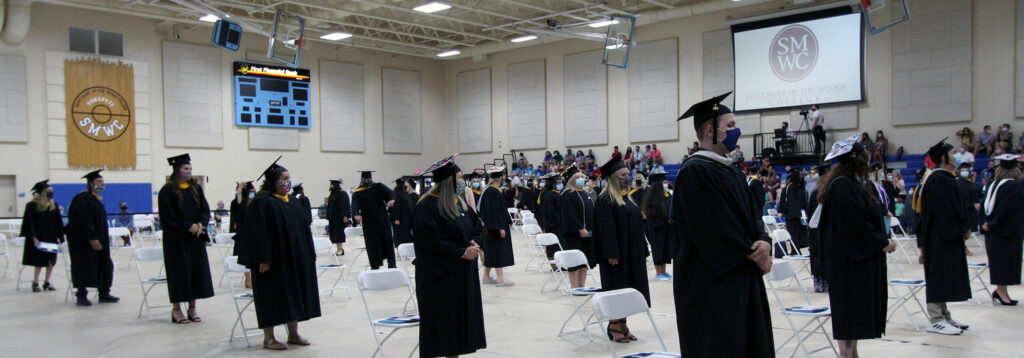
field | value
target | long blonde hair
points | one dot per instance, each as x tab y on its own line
43	203
614	190
448	202
1003	173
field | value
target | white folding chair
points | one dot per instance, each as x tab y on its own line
530	221
319	227
6	254
115	234
406	253
910	290
564	260
385	280
351	232
545	240
782	237
618	304
899	234
977	270
324	244
144	227
224	243
149	254
225	225
19	242
67	270
820	315
231	267
769	223
526	214
530	232
976	236
517	220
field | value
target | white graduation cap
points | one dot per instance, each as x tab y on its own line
842	147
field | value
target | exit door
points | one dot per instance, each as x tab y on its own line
8	197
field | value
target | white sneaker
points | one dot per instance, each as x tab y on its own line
944	327
958	324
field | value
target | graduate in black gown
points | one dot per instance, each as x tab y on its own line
756	186
793	204
1004	224
509	192
854	243
370	203
299	195
88	242
446	235
721	305
278	248
244	194
528	196
970	195
184	214
547	213
576	213
401	212
619	245
338	213
41	223
639	188
660	233
497	245
942	231
814	247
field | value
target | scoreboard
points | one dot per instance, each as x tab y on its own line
271	96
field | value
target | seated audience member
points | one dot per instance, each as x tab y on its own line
966	156
581	159
220	212
627	158
869	145
737	155
125	218
590	157
321	211
985	141
547	157
616	153
557	158
881	148
1004	139
966	136
639	155
569	157
784	139
656	154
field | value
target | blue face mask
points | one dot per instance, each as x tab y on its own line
476	185
541	184
965	174
580	182
732	136
957	160
252	195
559	187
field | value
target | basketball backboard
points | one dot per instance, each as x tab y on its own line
618	40
881	14
286	39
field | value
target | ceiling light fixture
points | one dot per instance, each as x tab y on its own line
335	36
449	53
524	38
432	7
209	18
604	23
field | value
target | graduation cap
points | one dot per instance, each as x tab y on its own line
1007	161
366	174
964	166
298	188
707	110
40	186
657	175
471	176
938	150
248	186
442	169
177	161
273	170
496	171
399	181
335	182
613	165
93	175
846	148
570	171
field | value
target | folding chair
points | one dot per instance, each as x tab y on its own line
351	232
545	240
526	214
976	236
900	236
224	243
819	315
531	231
773	212
618	304
769	223
530	221
231	266
517	220
149	254
977	270
385	280
911	288
782	236
144	227
565	260
406	253
19	242
319	227
115	234
225	225
324	244
67	270
6	255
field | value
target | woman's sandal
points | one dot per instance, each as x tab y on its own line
299	342
48	287
177	321
628	335
194	318
622	339
35	287
274	346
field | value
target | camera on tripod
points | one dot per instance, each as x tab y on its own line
804	112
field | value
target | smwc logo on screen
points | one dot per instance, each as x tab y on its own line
793	53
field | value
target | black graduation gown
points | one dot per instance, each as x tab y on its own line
276	234
370	202
46	226
338	211
661	234
494	212
402	212
510	197
576	211
548	216
721	304
237	221
792	205
1003	243
87	220
814	247
303	203
970	194
943	224
185	260
853	233
447	286
528	199
757	190
619	234
890	192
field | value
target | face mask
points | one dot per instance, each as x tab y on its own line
49	195
559	187
962	150
732	136
476	185
98	189
185	175
460	188
957	160
639	183
965	174
889	177
879	135
579	182
286	185
624	182
541	184
124	207
252	195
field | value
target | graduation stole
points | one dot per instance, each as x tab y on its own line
183	186
990	197
283	198
632	191
920	188
359	189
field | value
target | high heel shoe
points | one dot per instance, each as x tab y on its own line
177	321
996	300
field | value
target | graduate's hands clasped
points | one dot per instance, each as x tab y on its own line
761	256
891	247
472	251
196	229
264	268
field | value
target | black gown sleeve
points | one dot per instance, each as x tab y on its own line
570	211
204	206
942	200
357	198
849	204
256	248
606	229
28	223
428	235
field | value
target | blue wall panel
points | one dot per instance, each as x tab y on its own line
139	196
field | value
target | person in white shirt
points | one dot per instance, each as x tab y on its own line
817	129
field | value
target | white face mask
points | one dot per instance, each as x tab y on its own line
665	186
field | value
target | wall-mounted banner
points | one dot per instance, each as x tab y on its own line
100	98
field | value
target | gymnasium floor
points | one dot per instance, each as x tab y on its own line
520	322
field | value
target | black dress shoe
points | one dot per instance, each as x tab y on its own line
108	299
83	302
